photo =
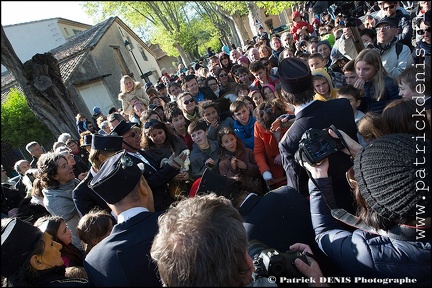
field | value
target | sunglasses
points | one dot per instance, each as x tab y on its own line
266	63
223	75
388	7
350	178
150	123
384	28
186	102
421	31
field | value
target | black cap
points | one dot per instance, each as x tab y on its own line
18	240
294	75
106	142
160	86
117	177
87	140
392	21
212	181
122	127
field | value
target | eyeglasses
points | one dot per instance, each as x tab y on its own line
388	7
421	31
223	75
384	28
132	135
350	178
150	123
186	102
212	84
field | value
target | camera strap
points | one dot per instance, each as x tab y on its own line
398	232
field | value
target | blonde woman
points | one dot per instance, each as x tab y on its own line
131	90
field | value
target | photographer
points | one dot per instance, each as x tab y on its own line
389	240
202	242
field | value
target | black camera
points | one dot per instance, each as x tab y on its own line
315	145
271	262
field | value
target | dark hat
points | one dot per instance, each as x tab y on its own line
87	140
196	66
427	17
122	127
387	176
115	116
337	58
106	142
294	75
392	21
154	107
18	240
96	110
212	181
117	177
148	85
160	86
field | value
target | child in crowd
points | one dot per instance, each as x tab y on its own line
317	61
256	97
244	76
353	95
299	24
409	87
205	152
323	85
57	228
259	71
266	149
249	102
243	123
324	48
269	92
174	117
242	90
379	88
350	73
93	227
210	114
237	161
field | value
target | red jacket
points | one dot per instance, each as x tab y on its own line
266	149
298	25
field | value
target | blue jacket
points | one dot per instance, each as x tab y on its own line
368	103
246	132
361	253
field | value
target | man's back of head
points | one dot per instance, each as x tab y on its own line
202	242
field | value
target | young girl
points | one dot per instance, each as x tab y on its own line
237	161
57	228
93	227
268	91
130	90
250	104
159	144
256	97
379	88
266	149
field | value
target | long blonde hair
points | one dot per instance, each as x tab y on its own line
122	83
372	57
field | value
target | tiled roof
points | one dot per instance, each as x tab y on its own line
70	54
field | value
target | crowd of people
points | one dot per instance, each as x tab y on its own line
173	186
